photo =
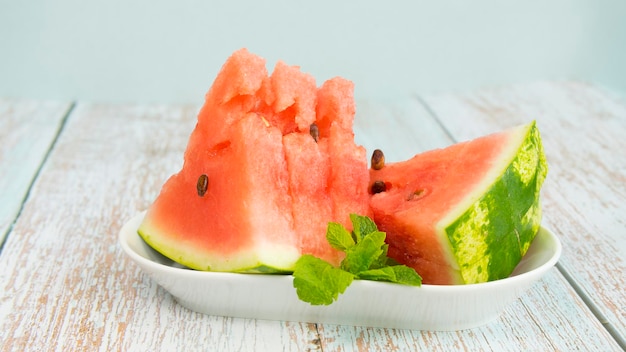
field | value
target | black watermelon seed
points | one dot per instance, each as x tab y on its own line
314	131
202	185
378	159
378	186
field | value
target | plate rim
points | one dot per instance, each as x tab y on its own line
126	231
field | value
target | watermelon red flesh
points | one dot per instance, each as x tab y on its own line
346	184
269	190
238	229
312	204
335	105
451	213
293	96
335	115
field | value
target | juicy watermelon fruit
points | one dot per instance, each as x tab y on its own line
466	213
257	190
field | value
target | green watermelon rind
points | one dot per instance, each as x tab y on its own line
489	237
261	261
265	269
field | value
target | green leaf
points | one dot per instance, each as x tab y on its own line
318	282
400	274
367	251
338	237
362	226
382	259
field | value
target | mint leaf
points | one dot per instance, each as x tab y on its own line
382	260
362	226
318	282
338	237
367	251
400	274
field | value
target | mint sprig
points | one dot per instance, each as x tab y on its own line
320	283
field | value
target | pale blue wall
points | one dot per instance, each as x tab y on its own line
170	51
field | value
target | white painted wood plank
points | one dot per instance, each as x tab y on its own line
584	197
549	317
27	129
400	129
65	284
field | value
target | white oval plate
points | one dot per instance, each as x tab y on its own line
365	303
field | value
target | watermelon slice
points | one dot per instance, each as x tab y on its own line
271	161
466	213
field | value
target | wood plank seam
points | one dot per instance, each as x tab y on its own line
318	338
37	173
432	113
621	341
593	307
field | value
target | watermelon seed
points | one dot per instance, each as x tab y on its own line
416	195
378	186
202	185
378	159
314	131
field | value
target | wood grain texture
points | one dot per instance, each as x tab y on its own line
27	129
399	128
65	284
540	321
584	197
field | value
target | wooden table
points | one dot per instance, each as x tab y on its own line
72	173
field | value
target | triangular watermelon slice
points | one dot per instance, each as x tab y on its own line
270	162
466	213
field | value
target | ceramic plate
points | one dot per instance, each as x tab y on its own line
365	303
